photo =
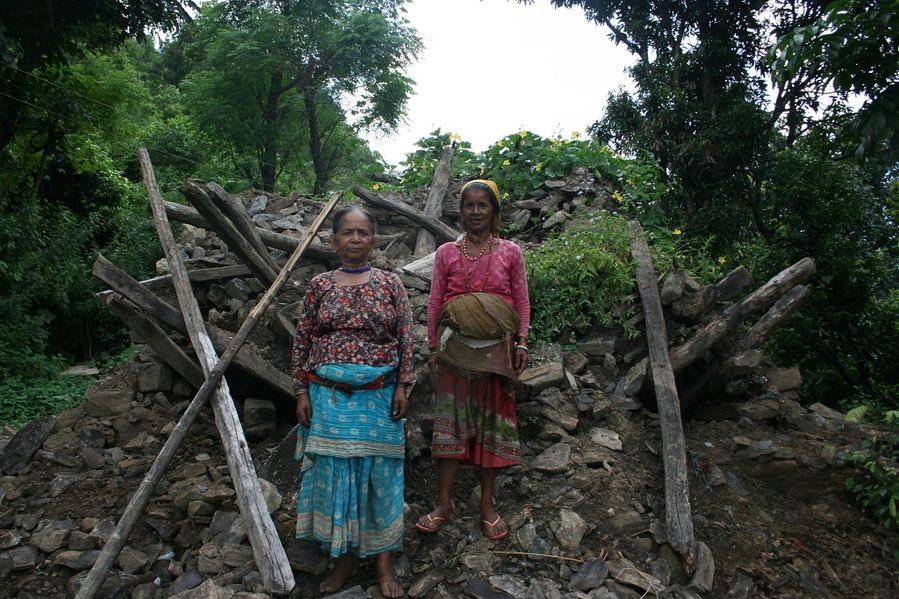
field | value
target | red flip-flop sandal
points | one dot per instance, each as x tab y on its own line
430	524
490	529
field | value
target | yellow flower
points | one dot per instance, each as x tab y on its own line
722	260
575	134
403	180
481	173
506	196
376	186
501	144
523	133
617	197
455	137
677	231
538	167
506	162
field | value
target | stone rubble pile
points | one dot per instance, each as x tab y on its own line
586	507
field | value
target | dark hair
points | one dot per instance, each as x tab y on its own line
338	216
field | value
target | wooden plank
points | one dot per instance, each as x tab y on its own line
727	322
247	359
426	243
771	320
237	214
267	550
441	230
678	517
316	250
225	228
153	335
422	268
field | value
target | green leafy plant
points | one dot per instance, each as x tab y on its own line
581	280
876	483
23	399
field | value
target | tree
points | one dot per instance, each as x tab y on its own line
853	46
49	33
299	64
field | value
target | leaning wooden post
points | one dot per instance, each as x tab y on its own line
141	497
677	493
425	243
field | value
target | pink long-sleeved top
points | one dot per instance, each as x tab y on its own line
506	279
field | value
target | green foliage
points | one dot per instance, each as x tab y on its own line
23	398
876	482
582	280
854	46
521	162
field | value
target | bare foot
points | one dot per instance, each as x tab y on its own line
387	582
343	569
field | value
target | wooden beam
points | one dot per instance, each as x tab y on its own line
247	359
316	250
441	230
153	335
426	243
678	516
273	566
237	243
727	322
237	214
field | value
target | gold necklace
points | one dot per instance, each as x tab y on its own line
468	284
487	244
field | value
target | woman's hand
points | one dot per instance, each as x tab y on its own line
400	401
520	358
434	364
304	408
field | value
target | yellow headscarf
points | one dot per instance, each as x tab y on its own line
495	190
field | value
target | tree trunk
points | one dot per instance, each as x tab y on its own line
315	143
268	161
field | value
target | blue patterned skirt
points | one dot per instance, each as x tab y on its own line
351	470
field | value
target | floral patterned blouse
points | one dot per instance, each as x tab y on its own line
370	323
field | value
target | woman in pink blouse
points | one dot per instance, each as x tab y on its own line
352	363
478	318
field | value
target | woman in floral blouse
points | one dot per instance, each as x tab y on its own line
352	364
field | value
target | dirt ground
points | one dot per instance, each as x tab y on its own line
778	523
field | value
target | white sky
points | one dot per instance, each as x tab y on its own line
493	67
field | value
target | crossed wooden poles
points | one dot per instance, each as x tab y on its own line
268	552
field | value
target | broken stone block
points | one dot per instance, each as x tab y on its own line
534	380
52	535
569	529
555	459
18	452
155	377
104	403
784	379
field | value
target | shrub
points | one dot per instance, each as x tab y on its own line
876	482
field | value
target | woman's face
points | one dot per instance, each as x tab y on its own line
477	211
354	240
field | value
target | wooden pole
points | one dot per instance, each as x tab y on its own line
247	358
441	230
281	580
425	242
315	251
235	211
237	243
677	492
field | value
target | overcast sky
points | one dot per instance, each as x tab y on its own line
493	67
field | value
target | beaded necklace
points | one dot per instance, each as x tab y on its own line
488	247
